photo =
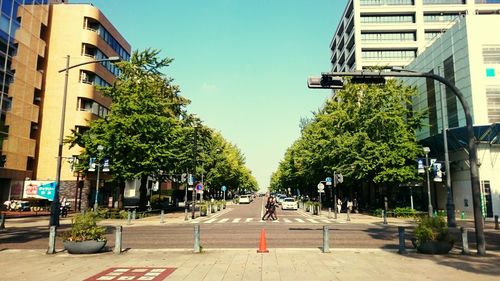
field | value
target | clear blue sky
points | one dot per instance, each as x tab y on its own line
242	63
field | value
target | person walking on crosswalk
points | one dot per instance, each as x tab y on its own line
271	210
268	206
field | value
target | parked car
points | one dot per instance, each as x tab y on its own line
245	199
289	203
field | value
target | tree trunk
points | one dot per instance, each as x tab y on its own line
143	190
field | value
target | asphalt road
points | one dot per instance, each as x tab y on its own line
239	226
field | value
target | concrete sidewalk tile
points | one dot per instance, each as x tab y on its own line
269	266
253	268
237	267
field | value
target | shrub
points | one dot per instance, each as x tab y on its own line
431	229
404	212
84	227
377	212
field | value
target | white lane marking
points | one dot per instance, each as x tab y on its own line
236	220
312	220
299	220
223	220
287	220
248	219
210	221
327	221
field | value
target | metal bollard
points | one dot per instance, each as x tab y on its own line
197	247
348	215
329	213
52	240
496	223
2	221
402	247
162	217
118	240
384	213
133	215
326	240
129	216
465	241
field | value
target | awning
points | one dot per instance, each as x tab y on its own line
457	138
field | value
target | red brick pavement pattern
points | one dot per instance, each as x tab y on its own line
133	273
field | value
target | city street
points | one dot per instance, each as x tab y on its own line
239	226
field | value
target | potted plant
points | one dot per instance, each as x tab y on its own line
219	205
213	207
85	236
308	205
432	236
203	209
223	204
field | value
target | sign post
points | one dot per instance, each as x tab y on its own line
223	188
321	189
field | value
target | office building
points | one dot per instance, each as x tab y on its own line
386	33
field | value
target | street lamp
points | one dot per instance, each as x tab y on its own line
427	167
474	171
54	208
100	148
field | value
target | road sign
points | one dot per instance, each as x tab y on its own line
328	181
190	179
223	188
199	186
321	186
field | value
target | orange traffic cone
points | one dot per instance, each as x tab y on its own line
262	243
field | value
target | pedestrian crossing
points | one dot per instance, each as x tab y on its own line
304	220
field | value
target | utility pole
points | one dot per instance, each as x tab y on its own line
194	169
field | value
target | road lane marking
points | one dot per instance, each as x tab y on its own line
248	219
327	221
299	220
236	220
210	221
223	220
312	220
287	220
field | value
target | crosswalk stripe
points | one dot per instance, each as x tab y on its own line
299	220
312	220
236	220
248	219
287	220
223	220
210	221
327	221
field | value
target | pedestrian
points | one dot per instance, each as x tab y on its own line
268	206
339	205
272	210
355	205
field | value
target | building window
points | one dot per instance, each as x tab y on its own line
88	77
382	55
430	35
388	19
93	52
451	99
388	36
385	2
441	17
493	101
93	107
431	106
491	54
81	129
443	2
94	25
33	130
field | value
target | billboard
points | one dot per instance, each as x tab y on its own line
39	189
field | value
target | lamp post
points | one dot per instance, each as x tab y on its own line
54	207
100	148
427	167
332	80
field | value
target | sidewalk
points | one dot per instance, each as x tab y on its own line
247	264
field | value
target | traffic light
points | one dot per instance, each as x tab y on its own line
325	82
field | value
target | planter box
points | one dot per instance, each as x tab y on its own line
435	247
84	247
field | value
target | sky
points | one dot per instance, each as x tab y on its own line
242	63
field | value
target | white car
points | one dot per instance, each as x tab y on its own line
245	199
289	204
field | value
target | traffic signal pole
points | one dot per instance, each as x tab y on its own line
330	80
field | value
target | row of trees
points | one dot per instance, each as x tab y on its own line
366	132
149	133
